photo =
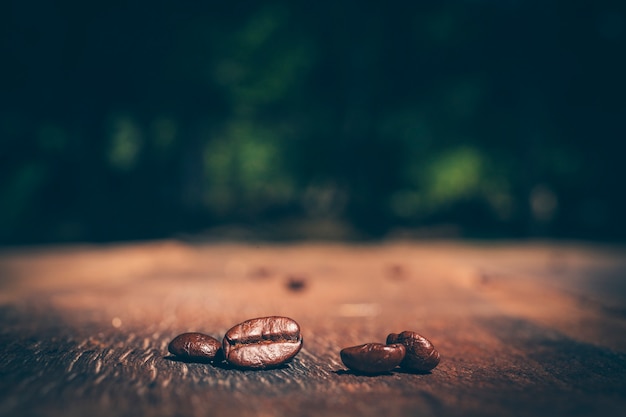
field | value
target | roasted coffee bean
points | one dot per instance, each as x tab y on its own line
195	346
296	283
261	343
421	355
373	358
397	272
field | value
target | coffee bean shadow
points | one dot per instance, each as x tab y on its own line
226	366
220	364
393	371
357	373
215	363
410	372
175	358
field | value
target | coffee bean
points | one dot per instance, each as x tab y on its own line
261	343
373	358
260	273
195	346
397	272
296	283
421	355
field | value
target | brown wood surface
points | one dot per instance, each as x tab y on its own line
523	329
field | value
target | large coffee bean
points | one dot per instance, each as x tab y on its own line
421	355
373	358
261	343
194	346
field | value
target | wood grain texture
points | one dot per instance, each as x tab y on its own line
528	330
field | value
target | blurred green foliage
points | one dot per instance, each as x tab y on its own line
131	120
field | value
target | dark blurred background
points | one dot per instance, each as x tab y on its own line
476	118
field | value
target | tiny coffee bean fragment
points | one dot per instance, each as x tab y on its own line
373	358
262	343
194	346
421	355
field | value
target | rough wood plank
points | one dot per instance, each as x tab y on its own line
525	329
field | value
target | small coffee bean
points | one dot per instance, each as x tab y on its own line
261	343
421	355
373	358
396	272
260	273
296	283
194	346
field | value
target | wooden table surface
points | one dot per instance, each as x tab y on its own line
527	329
